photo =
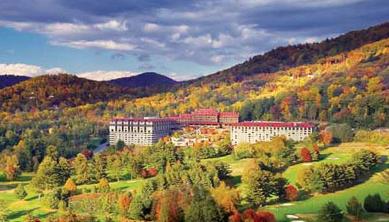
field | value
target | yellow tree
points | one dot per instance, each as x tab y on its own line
226	197
70	186
11	168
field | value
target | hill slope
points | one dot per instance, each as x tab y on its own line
9	80
286	57
147	79
350	87
51	91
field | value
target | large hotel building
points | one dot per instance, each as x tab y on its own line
255	131
207	117
139	131
146	131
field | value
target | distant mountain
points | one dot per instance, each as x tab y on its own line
147	79
286	57
62	90
9	80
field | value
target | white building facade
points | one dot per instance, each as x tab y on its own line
256	131
139	131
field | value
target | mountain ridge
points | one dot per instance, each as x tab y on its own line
10	80
146	79
285	57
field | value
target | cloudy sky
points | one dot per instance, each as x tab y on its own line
180	38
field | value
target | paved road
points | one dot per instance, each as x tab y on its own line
101	148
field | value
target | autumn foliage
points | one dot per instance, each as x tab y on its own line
305	155
252	216
291	193
326	137
70	186
124	203
150	172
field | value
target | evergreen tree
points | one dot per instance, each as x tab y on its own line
261	184
20	191
115	166
81	169
52	152
330	213
203	207
136	210
374	203
64	169
355	208
100	166
48	175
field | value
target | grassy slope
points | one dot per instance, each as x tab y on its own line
18	209
336	154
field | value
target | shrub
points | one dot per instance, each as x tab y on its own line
52	199
326	137
355	208
305	155
243	150
265	216
291	193
330	213
374	203
150	172
260	216
104	185
20	191
341	132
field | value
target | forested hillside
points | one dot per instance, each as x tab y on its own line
286	57
349	87
58	91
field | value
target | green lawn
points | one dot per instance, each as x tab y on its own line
338	154
19	209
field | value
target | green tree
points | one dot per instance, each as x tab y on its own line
20	191
100	165
48	176
82	170
374	203
52	152
330	213
354	207
203	207
261	184
115	166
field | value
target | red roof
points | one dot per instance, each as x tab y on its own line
229	114
202	123
273	124
143	119
205	112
